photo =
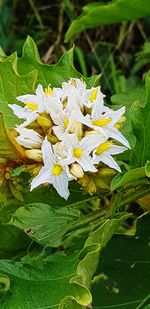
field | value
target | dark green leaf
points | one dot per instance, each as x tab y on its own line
122	279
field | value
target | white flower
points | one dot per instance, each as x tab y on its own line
79	151
73	93
53	172
94	97
66	122
42	101
104	123
104	154
28	138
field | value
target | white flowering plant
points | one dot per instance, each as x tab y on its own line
69	167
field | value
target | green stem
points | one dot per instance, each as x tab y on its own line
37	15
135	196
86	220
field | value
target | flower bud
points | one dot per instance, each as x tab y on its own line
76	170
77	128
45	121
34	154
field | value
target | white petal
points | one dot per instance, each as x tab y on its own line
114	149
60	183
116	115
86	164
117	135
47	152
43	177
19	111
108	160
31	117
89	143
71	140
28	98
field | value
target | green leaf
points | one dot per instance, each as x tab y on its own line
96	14
9	148
38	287
20	76
128	178
43	223
122	278
140	115
89	256
61	281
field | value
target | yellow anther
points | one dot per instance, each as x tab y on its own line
101	122
122	119
103	147
93	95
57	170
48	91
77	152
32	106
117	126
66	122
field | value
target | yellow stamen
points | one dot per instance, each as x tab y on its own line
103	147
117	126
48	91
122	119
66	122
32	106
57	170
101	122
93	95
77	152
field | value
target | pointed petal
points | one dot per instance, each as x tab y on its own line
114	149
117	135
116	115
71	140
19	111
43	177
60	183
31	117
47	152
108	160
86	164
89	143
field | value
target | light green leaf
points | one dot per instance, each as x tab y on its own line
43	223
140	115
128	178
122	278
96	14
22	75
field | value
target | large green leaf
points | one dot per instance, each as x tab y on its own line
38	287
140	114
123	276
22	75
60	281
96	14
43	223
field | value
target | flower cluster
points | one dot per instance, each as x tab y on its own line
70	131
